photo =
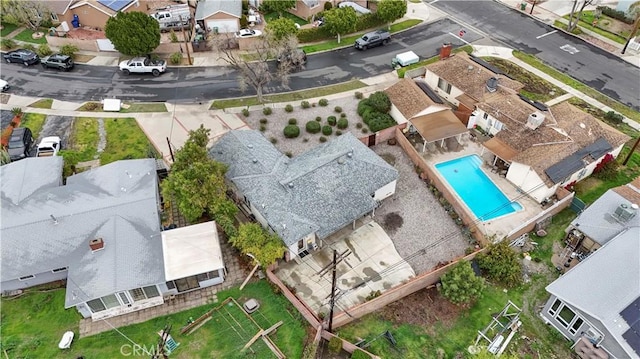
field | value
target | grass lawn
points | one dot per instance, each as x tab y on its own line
291	96
349	40
401	71
615	105
593	187
34	121
600	115
7	29
144	107
26	37
82	145
586	21
42	103
33	324
274	15
125	140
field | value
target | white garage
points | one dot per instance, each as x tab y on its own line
222	26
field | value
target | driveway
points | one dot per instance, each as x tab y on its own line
57	126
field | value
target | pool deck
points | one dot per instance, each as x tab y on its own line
500	226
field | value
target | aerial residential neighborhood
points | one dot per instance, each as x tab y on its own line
320	179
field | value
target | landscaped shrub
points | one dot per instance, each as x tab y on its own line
322	139
359	125
331	120
613	117
327	6
288	108
363	106
44	50
335	345
618	15
7	44
501	263
359	354
267	111
365	130
175	58
343	115
273	140
30	47
323	102
343	123
313	127
337	109
263	121
368	21
460	284
288	154
245	112
293	121
380	122
338	133
291	131
318	118
69	50
313	34
327	130
359	95
263	128
380	102
305	104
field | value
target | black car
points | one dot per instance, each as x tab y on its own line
22	56
19	143
296	57
57	61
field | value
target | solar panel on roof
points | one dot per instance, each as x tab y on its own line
631	314
427	90
115	5
633	339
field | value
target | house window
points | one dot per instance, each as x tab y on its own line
26	277
498	125
207	276
151	291
171	285
110	301
124	298
485	116
444	86
96	305
576	325
137	294
300	244
59	270
565	316
54	17
554	307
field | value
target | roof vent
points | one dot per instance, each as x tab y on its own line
350	154
290	184
255	160
470	68
96	244
341	160
250	146
625	212
535	120
55	220
492	84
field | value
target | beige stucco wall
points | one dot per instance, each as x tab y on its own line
432	80
89	16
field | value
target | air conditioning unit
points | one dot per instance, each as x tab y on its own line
625	212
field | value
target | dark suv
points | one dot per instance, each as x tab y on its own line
22	56
57	61
19	143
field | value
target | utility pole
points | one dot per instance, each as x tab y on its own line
532	6
333	289
633	33
186	41
631	152
171	150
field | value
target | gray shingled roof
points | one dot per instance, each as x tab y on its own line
207	8
597	222
116	202
21	179
318	191
605	283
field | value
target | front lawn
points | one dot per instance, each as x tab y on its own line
7	29
34	121
535	88
25	36
33	324
42	103
125	140
285	14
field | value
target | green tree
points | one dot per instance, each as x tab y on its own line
252	239
391	10
501	263
27	13
133	33
281	28
460	284
340	20
279	6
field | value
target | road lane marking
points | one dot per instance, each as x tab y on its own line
570	49
433	2
547	34
461	39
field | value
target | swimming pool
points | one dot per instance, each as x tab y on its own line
475	189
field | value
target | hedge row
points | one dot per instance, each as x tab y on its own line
366	21
618	15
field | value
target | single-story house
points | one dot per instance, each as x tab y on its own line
545	148
101	232
306	9
414	102
93	13
596	304
612	213
219	16
306	198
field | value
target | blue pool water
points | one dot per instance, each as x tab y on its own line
477	191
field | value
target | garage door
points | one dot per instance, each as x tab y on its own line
223	25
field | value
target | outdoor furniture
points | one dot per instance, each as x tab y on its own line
251	306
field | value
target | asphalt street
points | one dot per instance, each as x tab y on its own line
583	61
181	84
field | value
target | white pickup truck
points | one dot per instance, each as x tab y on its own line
48	147
143	65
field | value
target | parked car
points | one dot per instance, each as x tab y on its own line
297	57
48	146
20	142
4	85
248	33
57	61
372	39
143	65
22	56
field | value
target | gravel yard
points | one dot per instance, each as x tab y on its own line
413	218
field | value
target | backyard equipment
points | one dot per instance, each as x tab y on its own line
65	342
507	320
404	59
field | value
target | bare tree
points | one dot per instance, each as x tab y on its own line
253	66
27	13
580	5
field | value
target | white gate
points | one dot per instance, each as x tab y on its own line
105	45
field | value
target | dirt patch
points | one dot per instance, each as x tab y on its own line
85	34
425	308
532	83
389	158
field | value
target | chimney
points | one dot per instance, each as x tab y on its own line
96	244
445	50
492	84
